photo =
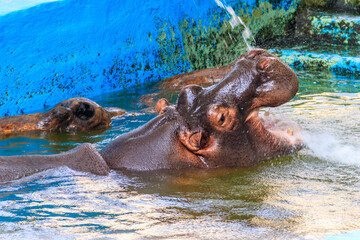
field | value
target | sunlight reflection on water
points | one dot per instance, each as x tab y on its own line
309	195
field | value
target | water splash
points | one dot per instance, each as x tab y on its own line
329	148
235	21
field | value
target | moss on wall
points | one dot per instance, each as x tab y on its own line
218	44
339	6
328	27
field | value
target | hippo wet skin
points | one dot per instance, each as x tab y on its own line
217	126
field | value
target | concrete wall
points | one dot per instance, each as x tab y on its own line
58	50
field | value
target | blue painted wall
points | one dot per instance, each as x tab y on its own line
59	50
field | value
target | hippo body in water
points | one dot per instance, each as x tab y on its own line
72	115
217	126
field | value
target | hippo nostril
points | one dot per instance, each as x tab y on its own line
255	52
188	95
252	54
264	64
84	111
194	141
195	89
199	139
204	139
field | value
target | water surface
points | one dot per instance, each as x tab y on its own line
309	195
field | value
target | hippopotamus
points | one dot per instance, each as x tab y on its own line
172	85
212	127
72	115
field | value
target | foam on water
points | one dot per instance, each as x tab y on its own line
329	119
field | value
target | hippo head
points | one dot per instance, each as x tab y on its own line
215	126
75	114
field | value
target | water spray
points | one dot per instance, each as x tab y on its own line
235	21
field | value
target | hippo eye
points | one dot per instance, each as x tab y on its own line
223	118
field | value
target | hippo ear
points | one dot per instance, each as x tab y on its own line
161	105
84	111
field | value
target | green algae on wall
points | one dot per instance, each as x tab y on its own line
340	65
351	6
316	3
353	2
217	44
171	52
131	69
332	28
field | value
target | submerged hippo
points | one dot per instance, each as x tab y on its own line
208	128
73	115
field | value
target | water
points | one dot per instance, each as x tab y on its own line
234	21
309	195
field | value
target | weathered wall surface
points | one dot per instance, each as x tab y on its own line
337	28
71	48
326	38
